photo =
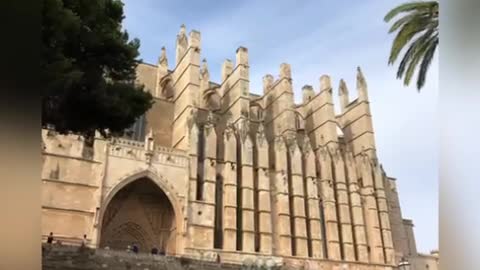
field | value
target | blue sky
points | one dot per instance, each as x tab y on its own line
316	38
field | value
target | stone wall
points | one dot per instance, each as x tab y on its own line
70	258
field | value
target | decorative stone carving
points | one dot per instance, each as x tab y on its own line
162	60
204	70
260	135
210	122
211	119
323	153
290	139
349	157
243	127
307	146
229	130
279	143
335	152
248	263
192	117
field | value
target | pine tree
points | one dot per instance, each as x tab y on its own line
88	68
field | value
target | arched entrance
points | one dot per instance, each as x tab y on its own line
139	213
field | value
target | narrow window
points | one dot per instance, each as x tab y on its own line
218	236
200	162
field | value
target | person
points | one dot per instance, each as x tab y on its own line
129	249
50	238
84	240
135	249
154	251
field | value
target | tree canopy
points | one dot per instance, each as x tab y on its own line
88	68
418	30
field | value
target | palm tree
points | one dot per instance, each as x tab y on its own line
418	29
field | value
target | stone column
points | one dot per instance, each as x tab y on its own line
370	209
281	219
264	207
202	211
192	136
343	206
210	162
185	78
313	217
247	190
230	190
297	198
384	214
328	203
357	211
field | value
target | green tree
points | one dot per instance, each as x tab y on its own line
418	30
88	68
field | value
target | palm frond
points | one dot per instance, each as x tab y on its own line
409	7
427	60
401	22
416	59
414	46
417	29
408	31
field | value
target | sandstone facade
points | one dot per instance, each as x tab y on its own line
215	169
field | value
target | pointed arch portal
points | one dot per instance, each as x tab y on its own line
139	213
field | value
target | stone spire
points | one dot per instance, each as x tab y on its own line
361	86
182	44
343	94
204	69
227	68
308	93
325	83
267	82
162	60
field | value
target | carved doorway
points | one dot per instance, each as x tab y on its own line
139	214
